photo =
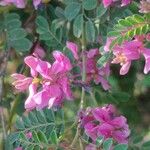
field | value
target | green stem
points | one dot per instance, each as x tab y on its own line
93	98
13	110
1	111
83	41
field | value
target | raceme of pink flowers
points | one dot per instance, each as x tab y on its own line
129	51
99	75
107	3
19	3
49	83
104	122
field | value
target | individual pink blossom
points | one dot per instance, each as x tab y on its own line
36	3
105	122
21	82
39	51
129	51
49	84
125	2
19	3
74	49
107	3
29	135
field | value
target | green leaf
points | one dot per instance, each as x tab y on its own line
53	137
31	147
137	139
89	4
127	28
90	31
16	34
104	59
13	24
121	96
22	44
78	26
59	12
42	23
33	118
121	147
72	10
50	115
99	140
19	124
11	16
107	144
46	34
113	33
139	18
23	137
13	137
37	148
146	145
41	116
125	22
35	137
42	137
26	121
101	10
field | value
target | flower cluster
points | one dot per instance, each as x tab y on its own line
129	51
104	122
49	83
144	6
107	3
93	73
19	3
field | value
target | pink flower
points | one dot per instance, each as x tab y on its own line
125	2
36	3
107	3
49	84
128	52
74	49
17	3
95	73
29	135
104	122
21	82
39	51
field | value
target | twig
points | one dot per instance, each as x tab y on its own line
3	66
83	41
93	98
